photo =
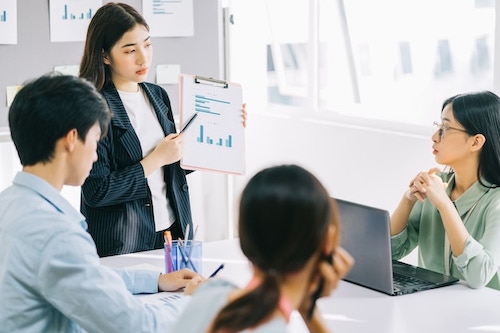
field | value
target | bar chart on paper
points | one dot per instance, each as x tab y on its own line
227	142
69	19
87	15
215	141
8	22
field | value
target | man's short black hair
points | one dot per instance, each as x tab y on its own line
47	108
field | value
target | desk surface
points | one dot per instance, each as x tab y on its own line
352	308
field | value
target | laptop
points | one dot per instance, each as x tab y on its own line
365	234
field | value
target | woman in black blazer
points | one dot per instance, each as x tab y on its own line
136	189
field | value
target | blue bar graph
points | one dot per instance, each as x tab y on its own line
200	138
160	6
3	16
204	104
228	142
82	16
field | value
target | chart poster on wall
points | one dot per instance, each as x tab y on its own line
69	19
167	18
215	139
8	22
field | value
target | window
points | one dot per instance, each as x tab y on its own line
390	59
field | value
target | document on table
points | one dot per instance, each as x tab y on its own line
160	298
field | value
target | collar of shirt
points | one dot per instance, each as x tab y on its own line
470	197
50	194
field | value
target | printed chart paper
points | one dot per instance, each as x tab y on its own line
215	140
8	22
69	19
169	18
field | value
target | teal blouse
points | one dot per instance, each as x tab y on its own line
479	264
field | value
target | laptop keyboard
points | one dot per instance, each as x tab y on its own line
404	281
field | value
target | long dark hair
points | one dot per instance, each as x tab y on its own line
109	24
284	214
479	113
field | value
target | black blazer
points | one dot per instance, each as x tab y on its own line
116	199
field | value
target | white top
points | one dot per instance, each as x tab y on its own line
145	123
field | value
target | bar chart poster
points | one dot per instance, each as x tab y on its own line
169	18
8	22
215	140
69	19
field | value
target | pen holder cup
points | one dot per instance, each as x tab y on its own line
187	254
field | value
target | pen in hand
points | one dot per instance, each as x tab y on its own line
216	271
189	122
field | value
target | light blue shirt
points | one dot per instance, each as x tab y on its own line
51	279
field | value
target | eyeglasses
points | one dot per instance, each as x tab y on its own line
441	129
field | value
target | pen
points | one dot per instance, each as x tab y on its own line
168	248
216	271
195	232
192	242
186	234
186	240
167	236
185	258
189	122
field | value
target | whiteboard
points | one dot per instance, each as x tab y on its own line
215	141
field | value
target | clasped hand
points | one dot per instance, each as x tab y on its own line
427	185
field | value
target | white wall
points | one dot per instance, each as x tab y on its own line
9	162
355	163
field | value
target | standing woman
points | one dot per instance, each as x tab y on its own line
454	217
136	189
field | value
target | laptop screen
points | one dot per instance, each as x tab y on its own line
365	234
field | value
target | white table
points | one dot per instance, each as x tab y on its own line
352	308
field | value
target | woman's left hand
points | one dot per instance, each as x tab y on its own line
331	274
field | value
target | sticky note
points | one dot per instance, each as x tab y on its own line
167	74
68	70
11	93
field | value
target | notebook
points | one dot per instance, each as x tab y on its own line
365	234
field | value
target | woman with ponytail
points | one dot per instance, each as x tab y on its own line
289	231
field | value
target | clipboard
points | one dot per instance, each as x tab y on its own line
215	140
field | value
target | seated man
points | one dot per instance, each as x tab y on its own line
51	279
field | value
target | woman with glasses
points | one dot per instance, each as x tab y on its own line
453	216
